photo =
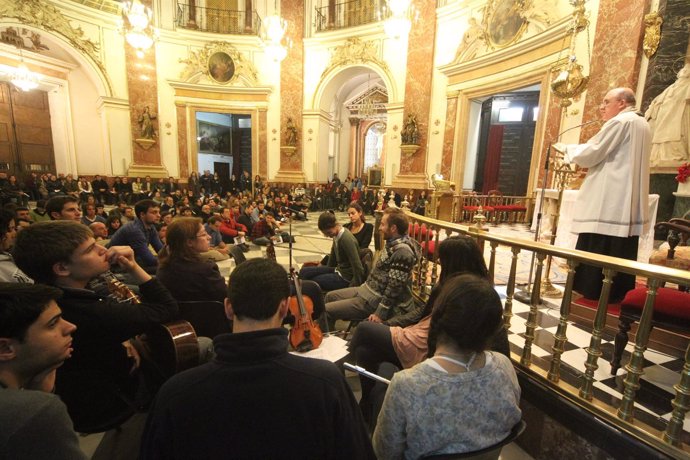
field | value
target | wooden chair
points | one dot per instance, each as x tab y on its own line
671	311
206	316
488	453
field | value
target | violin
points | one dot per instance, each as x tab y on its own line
305	334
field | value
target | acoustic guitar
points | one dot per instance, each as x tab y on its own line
171	347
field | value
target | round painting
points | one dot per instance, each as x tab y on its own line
505	22
221	67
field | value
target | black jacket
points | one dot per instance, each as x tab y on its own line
256	400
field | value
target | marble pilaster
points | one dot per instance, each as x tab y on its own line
263	143
419	73
183	154
291	88
449	134
142	90
616	54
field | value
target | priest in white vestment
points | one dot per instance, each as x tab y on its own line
611	210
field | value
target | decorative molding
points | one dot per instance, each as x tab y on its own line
652	33
499	17
355	51
197	67
45	16
17	37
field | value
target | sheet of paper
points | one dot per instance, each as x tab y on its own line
332	348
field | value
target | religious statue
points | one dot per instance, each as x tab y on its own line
409	133
290	133
146	124
669	119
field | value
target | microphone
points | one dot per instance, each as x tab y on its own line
578	126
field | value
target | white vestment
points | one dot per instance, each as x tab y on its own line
613	198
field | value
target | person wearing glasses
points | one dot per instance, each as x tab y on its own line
183	270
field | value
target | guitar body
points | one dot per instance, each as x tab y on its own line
171	347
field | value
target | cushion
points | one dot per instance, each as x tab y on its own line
419	231
681	258
671	302
476	208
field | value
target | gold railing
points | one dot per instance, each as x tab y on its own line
622	416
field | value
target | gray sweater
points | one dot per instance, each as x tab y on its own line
346	258
34	425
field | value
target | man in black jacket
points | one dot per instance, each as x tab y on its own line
97	384
255	399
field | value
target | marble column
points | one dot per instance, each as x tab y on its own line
419	73
616	54
449	134
183	154
263	142
661	73
291	88
142	89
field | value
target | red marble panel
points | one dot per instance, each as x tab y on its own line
142	87
263	144
449	135
292	81
420	66
183	154
616	54
551	130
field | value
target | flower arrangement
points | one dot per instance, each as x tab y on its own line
683	173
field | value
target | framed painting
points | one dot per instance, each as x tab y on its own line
212	138
221	67
504	22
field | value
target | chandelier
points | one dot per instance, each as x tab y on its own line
569	82
273	36
22	77
367	108
137	26
401	14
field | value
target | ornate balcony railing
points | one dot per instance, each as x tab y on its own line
348	14
217	20
576	387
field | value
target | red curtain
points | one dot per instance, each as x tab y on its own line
492	163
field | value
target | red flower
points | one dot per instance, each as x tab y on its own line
683	173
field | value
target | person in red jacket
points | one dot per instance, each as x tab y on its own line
230	229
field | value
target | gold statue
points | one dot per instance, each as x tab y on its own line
652	33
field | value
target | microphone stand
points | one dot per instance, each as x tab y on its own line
525	295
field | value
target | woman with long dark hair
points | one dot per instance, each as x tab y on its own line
473	391
183	270
358	225
375	343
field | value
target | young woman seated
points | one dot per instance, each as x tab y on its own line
375	343
358	226
462	398
182	269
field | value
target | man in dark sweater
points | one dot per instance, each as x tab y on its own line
256	399
97	384
34	341
344	267
386	296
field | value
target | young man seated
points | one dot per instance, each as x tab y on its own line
268	229
63	207
344	268
141	233
97	384
255	399
34	341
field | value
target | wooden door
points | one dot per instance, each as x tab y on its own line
26	140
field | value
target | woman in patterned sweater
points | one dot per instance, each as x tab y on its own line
461	399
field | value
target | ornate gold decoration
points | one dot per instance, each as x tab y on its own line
568	80
45	16
355	51
652	33
439	183
198	64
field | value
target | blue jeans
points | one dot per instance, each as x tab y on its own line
325	277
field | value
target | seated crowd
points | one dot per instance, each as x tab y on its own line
105	282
